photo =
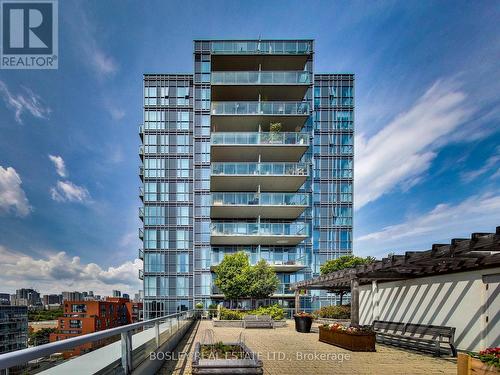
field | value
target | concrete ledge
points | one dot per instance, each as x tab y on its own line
239	323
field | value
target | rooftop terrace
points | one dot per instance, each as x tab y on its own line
302	354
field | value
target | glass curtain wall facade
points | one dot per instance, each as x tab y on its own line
250	153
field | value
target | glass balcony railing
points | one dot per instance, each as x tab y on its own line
261	78
141	234
285	47
260	108
263	199
276	259
141	254
141	274
141	212
284	169
256	229
261	138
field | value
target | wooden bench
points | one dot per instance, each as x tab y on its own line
257	321
416	336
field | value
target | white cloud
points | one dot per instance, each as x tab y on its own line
86	38
401	152
58	271
492	164
59	164
66	191
24	102
12	196
478	213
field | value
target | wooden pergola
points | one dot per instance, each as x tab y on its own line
481	250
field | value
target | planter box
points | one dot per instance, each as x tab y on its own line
239	323
251	364
466	365
361	342
303	324
345	322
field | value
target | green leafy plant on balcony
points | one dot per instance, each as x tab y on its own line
275	130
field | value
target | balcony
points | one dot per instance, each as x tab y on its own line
248	85
248	146
141	194
141	213
141	234
141	131
253	205
285	177
271	55
141	172
141	254
258	234
141	152
141	275
279	265
249	116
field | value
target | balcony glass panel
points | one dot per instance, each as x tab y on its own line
260	138
288	47
264	199
260	108
288	169
255	78
262	229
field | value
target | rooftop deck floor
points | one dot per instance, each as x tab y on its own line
294	346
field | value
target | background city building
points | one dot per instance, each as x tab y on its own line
13	328
82	317
218	177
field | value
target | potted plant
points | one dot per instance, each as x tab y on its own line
303	322
275	130
357	339
485	362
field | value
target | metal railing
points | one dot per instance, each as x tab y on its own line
261	138
260	108
262	78
256	229
285	169
262	199
171	323
285	47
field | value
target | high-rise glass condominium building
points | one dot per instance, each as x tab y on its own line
252	152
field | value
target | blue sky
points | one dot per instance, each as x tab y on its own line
427	125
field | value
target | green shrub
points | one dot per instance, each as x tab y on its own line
334	312
275	311
199	305
227	314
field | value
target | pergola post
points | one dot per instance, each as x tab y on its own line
354	301
376	311
297	301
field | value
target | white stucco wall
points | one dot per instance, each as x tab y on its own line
459	300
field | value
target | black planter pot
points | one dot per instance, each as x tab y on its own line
303	324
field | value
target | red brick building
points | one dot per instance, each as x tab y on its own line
83	317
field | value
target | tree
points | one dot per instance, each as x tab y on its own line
41	336
345	261
262	279
232	275
236	278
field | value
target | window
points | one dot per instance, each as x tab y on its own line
182	239
154	262
150	286
206	283
81	308
183	120
182	284
182	167
183	215
183	262
182	192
